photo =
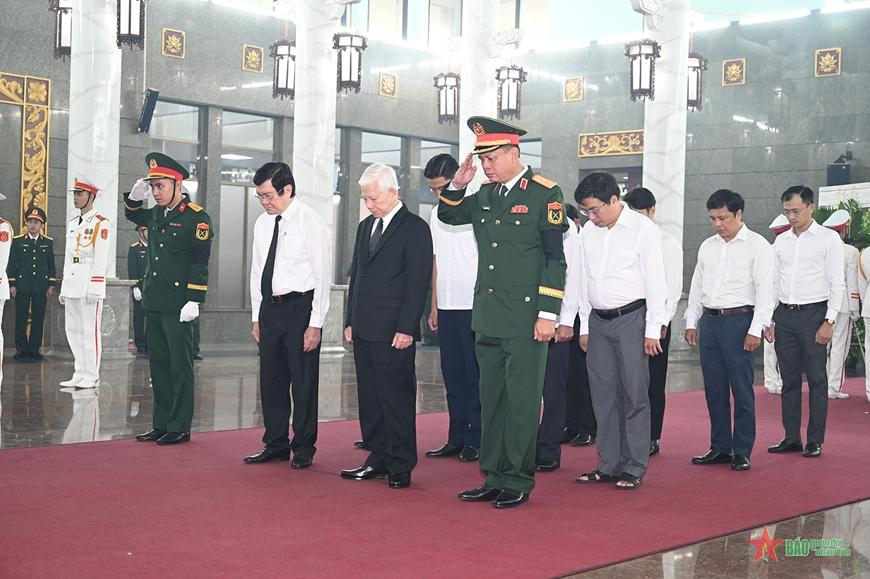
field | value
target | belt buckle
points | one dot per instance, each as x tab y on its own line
793	307
717	312
277	299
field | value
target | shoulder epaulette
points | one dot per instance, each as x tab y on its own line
548	183
19	236
194	206
135	244
486	183
101	218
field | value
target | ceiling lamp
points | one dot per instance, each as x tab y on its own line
284	77
510	85
131	23
448	97
350	47
642	56
697	66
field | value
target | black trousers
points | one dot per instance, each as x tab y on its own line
579	415
658	377
387	392
34	303
285	367
461	376
796	350
555	401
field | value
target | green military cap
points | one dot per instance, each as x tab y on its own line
493	133
35	213
161	166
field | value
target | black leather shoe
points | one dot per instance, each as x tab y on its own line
400	480
740	462
197	356
173	438
583	440
358	443
567	436
546	464
812	450
712	457
152	435
469	454
364	472
654	448
482	493
786	446
20	355
449	449
301	461
266	455
510	498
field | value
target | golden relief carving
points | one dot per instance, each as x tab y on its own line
829	62
609	144
252	58
173	43
573	89
11	88
388	84
37	92
734	72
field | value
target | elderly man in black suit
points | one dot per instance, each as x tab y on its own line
389	280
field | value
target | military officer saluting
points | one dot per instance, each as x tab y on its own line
86	259
137	263
518	222
180	236
32	277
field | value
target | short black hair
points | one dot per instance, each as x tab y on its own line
279	173
441	165
726	198
640	198
571	212
805	192
600	185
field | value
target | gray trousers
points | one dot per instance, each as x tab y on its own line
619	383
796	350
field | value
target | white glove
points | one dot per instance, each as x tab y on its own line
137	294
61	299
141	190
853	316
189	312
92	298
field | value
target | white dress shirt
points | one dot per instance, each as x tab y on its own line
809	269
733	274
571	241
672	255
455	250
302	258
387	218
623	264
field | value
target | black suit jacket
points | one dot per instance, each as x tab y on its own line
388	287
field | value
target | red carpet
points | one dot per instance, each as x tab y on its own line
129	509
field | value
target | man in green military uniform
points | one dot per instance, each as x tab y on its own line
518	222
179	246
32	279
137	263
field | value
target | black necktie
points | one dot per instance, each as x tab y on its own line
80	219
269	268
376	236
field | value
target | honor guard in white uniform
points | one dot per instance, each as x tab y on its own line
864	291
772	379
6	236
841	339
84	284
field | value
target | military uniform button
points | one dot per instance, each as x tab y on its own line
495	244
497	222
173	235
162	231
154	274
518	222
490	290
176	285
491	267
156	258
483	220
161	245
528	299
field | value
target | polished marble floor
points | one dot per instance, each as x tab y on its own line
36	413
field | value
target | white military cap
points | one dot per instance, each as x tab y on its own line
83	184
780	224
838	220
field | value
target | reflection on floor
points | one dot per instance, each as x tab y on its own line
35	412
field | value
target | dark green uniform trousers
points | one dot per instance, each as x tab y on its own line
23	301
170	356
139	325
511	385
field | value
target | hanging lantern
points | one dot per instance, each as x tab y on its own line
448	97
131	23
510	85
642	56
350	47
697	66
284	77
62	32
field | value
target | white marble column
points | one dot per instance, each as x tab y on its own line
95	107
479	90
664	155
314	117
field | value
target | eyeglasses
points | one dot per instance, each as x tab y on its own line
264	198
592	212
794	212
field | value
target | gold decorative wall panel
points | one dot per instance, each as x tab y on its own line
32	93
388	84
610	144
173	43
734	72
573	89
252	58
829	62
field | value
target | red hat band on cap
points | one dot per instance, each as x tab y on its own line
779	230
164	173
85	187
838	227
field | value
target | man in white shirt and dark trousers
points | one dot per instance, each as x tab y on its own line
732	297
841	337
454	273
808	286
622	310
290	280
643	201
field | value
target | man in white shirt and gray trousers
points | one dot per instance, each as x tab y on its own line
290	280
622	310
808	284
732	297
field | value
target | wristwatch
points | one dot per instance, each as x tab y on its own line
831	321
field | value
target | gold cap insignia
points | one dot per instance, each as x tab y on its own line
478	129
153	164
